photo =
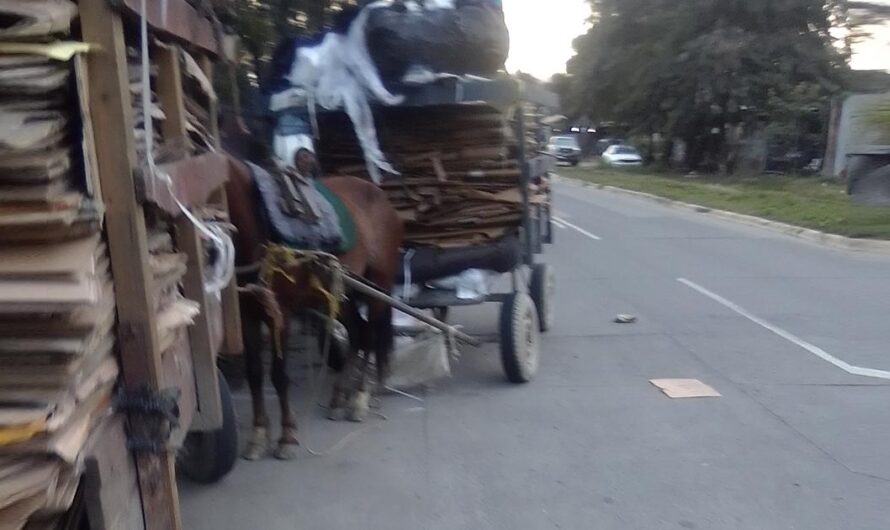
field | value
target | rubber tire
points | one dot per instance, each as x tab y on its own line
520	338
212	455
540	288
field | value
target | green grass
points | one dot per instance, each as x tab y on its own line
803	201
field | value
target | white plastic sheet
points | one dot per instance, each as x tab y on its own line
340	74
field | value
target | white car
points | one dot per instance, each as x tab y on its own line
565	149
622	156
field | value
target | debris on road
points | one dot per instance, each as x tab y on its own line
684	388
625	319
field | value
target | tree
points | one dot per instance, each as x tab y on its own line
262	24
700	69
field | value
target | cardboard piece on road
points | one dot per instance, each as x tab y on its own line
684	388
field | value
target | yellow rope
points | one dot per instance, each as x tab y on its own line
282	261
21	433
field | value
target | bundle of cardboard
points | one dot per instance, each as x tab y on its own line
57	313
460	180
58	370
39	199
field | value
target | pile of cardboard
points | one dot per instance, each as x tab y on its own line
57	370
134	71
200	97
57	313
460	180
39	199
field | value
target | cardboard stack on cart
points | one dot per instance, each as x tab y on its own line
460	177
57	312
100	277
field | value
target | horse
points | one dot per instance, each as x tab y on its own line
373	257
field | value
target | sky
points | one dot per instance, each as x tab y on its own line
541	37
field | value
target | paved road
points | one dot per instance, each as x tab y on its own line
774	324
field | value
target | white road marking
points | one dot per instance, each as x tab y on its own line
578	229
559	225
790	337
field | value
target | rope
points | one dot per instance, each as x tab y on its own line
282	261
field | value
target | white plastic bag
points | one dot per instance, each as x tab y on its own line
419	360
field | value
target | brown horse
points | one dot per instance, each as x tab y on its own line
374	256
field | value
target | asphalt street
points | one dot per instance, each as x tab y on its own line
794	336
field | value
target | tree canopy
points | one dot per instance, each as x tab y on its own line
262	24
692	68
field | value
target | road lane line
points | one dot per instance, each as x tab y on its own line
578	229
559	225
790	337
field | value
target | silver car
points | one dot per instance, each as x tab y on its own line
622	156
565	149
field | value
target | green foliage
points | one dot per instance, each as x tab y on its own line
806	202
261	24
881	116
693	68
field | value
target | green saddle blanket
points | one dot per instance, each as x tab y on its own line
347	223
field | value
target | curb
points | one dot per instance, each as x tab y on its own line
799	232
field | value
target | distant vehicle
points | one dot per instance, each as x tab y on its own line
565	149
605	143
622	156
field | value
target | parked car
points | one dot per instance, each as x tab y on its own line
565	149
604	143
622	156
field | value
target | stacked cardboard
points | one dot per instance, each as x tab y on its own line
199	104
39	198
459	182
134	69
57	368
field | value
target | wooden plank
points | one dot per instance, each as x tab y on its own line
112	491
180	374
195	180
207	66
169	90
177	19
233	339
209	408
128	246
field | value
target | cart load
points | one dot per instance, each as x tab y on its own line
387	97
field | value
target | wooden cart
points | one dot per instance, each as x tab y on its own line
527	306
170	395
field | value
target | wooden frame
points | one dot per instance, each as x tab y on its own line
128	246
111	469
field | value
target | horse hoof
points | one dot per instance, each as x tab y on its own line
286	451
337	414
258	445
360	406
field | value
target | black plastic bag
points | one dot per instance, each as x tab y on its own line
472	38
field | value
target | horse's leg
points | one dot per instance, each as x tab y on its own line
340	396
251	318
360	395
377	341
287	444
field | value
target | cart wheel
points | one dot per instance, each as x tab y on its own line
207	457
520	337
542	289
441	313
